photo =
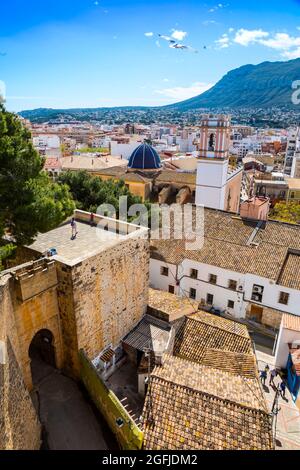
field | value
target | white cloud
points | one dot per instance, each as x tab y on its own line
281	42
289	46
244	37
183	93
223	42
218	7
295	54
208	22
149	35
178	35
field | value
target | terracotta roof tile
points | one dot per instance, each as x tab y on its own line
204	331
190	406
226	245
291	322
290	275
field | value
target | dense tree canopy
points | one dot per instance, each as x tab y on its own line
89	192
29	201
286	212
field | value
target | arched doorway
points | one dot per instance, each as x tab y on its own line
42	354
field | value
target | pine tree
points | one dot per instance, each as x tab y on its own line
30	202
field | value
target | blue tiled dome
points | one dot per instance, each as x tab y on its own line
144	157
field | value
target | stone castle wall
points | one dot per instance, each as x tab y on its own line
103	297
19	425
87	306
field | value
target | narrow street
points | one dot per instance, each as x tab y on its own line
287	425
69	420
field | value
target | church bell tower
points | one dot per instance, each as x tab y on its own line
212	165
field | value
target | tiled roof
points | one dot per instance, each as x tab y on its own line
79	162
226	245
236	363
121	172
290	275
169	176
291	322
190	406
169	305
294	183
52	163
149	333
203	331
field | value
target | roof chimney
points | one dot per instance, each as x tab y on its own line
256	208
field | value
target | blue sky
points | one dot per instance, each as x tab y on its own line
86	53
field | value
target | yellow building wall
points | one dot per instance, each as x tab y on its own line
296	196
139	189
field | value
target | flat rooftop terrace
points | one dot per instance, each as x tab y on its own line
89	241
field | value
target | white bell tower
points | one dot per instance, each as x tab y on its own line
212	166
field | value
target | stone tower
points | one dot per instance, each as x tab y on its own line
212	166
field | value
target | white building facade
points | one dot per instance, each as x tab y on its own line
223	289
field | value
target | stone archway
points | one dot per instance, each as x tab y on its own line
42	354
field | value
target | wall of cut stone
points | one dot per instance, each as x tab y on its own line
110	294
19	424
271	318
67	319
39	313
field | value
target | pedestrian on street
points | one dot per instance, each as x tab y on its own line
273	374
263	377
282	389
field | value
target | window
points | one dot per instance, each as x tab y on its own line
171	289
212	142
194	273
164	271
257	293
193	293
284	298
230	304
209	299
213	279
232	285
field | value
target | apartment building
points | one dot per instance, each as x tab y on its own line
249	269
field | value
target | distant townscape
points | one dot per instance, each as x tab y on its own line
258	95
149	233
177	348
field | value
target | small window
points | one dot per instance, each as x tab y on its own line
209	299
232	285
194	273
213	279
193	293
284	298
257	293
164	271
171	289
230	304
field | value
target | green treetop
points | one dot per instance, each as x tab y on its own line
286	212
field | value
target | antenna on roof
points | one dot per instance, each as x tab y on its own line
149	407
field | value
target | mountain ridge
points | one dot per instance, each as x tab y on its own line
268	84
